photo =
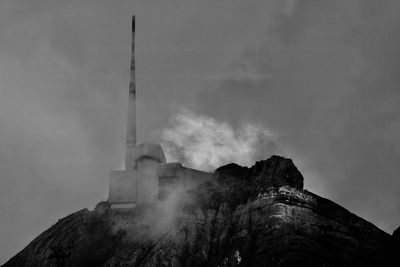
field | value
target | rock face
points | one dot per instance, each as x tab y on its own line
258	216
236	185
276	171
393	249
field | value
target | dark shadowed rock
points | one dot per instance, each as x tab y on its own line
276	171
396	239
257	216
393	249
234	184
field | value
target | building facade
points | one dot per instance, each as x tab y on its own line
147	177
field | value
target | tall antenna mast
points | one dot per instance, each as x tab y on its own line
131	125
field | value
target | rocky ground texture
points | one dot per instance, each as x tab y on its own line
258	216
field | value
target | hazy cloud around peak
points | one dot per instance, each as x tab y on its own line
203	142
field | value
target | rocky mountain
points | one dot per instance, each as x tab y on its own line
258	216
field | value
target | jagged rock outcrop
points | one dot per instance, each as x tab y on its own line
276	171
258	216
235	185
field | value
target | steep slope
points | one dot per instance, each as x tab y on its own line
63	233
83	238
258	216
283	227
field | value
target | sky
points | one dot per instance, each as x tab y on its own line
217	81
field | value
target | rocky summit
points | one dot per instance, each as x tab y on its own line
257	216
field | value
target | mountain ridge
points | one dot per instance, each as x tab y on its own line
257	216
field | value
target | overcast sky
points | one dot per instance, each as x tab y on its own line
320	79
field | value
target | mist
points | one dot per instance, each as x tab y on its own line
205	143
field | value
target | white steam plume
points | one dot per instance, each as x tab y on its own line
205	143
